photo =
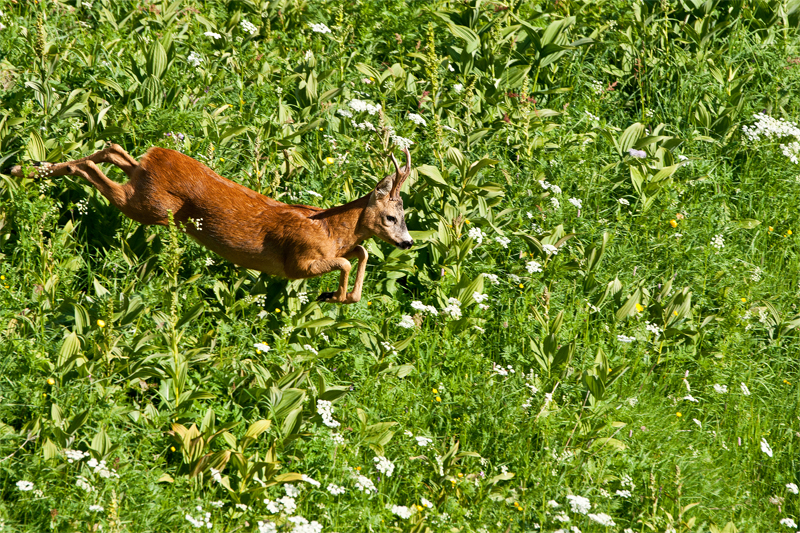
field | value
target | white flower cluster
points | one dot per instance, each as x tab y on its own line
579	504
458	87
453	308
765	447
344	113
96	508
549	249
623	201
365	485
745	390
417	119
101	469
83	483
286	504
500	371
402	511
423	441
388	348
406	322
791	487
788	522
301	525
720	389
325	410
555	203
384	465
492	278
359	105
267	527
480	298
503	241
195	59
310	480
603	519
638	154
401	142
718	242
577	203
203	521
533	267
768	128
249	27
75	455
624	493
309	348
335	490
625	339
261	347
654	329
213	35
476	234
320	28
422	308
792	151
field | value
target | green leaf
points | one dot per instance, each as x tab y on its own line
630	137
747	223
36	149
156	60
467	35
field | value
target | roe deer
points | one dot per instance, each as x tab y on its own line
243	226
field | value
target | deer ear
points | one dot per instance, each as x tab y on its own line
384	186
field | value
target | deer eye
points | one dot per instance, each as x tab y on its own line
391	219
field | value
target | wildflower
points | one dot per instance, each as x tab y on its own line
673	223
320	28
101	323
330	160
788	522
654	329
623	201
602	519
791	487
561	518
492	278
745	390
639	154
406	322
476	235
24	485
690	398
74	455
261	347
195	59
480	298
401	142
453	308
213	35
96	508
625	339
632	401
218	504
639	307
417	119
696	421
402	511
553	504
577	203
267	527
423	441
624	493
344	113
503	241
249	27
359	105
533	266
419	306
384	465
720	389
325	410
335	490
365	485
718	242
678	414
549	249
209	262
765	447
310	481
579	504
554	202
426	503
458	87
215	474
242	507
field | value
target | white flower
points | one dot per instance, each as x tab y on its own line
364	484
503	241
96	508
406	322
320	28
625	339
555	189
195	59
426	503
639	154
696	421
360	105
261	347
291	491
533	266
267	527
423	441
577	203
765	447
602	519
217	505
549	249
632	401
209	262
624	493
720	389
654	329
458	88
791	487
453	308
492	278
417	119
83	483
75	455
24	485
344	113
421	307
203	521
561	517
310	481
213	35
745	390
480	298
718	242
384	465
401	142
554	202
335	490
476	234
325	410
788	522
579	504
242	507
553	504
309	348
249	27
691	398
623	201
402	511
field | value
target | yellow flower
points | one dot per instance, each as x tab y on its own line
320	129
675	313
277	309
101	323
172	448
521	286
222	159
434	391
438	399
639	308
420	508
788	232
2	277
51	381
744	300
673	223
358	468
460	474
466	220
330	160
769	228
371	78
678	414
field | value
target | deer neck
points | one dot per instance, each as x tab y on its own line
345	224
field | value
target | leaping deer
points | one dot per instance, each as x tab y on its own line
243	226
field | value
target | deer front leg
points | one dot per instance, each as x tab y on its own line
341	295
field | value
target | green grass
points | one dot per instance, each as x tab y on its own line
135	346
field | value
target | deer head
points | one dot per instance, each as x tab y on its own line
384	216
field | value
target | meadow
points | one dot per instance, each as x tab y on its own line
595	330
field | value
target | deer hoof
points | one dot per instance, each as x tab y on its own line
324	297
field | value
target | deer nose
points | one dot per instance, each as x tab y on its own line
405	245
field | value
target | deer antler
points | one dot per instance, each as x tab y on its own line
394	194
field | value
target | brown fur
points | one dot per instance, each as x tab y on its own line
244	227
